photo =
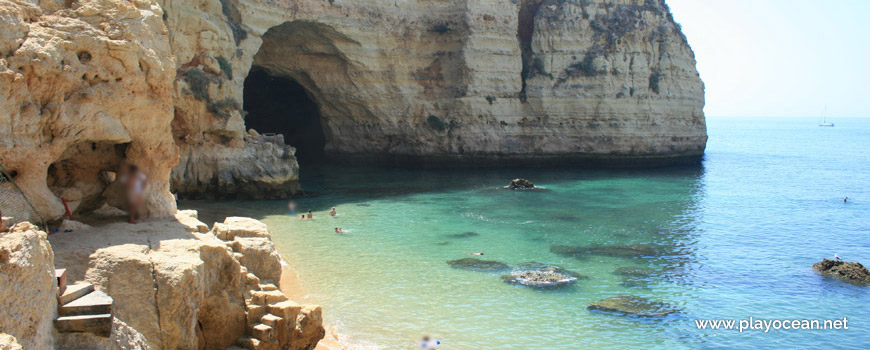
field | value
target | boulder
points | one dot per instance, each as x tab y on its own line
259	256
850	272
235	226
632	306
28	288
521	184
478	265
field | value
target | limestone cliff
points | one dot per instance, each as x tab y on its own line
90	85
606	81
85	88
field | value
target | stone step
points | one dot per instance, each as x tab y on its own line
74	291
262	332
262	297
256	344
60	274
94	303
268	286
98	324
270	320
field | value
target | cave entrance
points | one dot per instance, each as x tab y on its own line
280	105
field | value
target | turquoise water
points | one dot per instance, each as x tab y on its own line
737	237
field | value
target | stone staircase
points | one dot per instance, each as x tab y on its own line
267	311
82	309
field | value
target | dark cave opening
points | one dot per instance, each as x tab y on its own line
280	105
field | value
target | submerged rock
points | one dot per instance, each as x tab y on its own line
538	275
635	277
464	235
617	251
850	272
634	271
477	264
521	184
632	305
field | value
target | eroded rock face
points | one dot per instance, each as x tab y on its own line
93	85
85	86
594	82
28	291
850	272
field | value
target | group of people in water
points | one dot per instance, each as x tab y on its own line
310	215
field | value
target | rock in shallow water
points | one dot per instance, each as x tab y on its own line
538	275
521	184
464	235
634	271
632	305
850	272
540	279
617	251
477	264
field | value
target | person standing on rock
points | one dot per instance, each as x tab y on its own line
134	184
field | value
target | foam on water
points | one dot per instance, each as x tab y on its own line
733	238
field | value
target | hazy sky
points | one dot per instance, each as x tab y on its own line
780	57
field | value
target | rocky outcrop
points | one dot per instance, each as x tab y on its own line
263	168
850	272
85	87
459	81
520	184
177	288
91	85
28	291
538	275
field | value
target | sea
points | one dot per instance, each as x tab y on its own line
734	238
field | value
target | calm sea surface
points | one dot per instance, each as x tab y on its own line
736	238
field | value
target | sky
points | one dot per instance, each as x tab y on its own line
780	58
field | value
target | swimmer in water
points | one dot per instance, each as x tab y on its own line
310	216
339	230
428	343
302	217
332	212
478	253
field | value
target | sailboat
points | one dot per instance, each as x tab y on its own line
825	119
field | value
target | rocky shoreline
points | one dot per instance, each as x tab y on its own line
175	283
